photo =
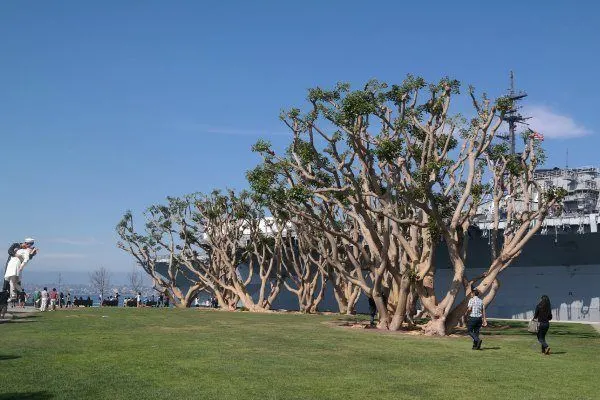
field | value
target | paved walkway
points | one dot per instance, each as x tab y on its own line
15	311
26	309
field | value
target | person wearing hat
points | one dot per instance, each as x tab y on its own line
16	263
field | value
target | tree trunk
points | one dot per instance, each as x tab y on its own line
342	304
382	311
315	301
400	312
346	295
457	314
353	299
178	299
491	295
180	304
411	307
436	326
226	300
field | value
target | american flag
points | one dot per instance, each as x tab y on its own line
537	136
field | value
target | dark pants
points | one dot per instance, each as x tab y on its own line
474	326
541	334
373	314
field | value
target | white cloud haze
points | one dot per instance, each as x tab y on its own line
553	125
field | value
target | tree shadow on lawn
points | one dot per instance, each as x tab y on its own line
26	396
19	318
561	331
551	332
500	328
357	318
8	357
494	328
17	321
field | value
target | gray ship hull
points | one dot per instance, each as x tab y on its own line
564	249
564	266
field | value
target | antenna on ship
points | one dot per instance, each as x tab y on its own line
512	116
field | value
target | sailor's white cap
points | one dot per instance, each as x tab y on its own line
29	240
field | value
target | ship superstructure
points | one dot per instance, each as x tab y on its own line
582	185
579	210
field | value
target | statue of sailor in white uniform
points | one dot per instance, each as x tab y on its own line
16	263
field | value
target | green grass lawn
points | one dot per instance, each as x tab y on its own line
201	354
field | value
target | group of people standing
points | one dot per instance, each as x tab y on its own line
140	301
211	302
44	299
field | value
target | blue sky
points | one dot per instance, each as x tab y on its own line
108	106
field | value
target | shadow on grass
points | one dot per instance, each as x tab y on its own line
26	396
18	318
519	328
24	315
551	332
352	318
495	328
490	348
8	357
560	331
17	321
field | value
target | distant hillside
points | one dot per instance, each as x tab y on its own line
73	277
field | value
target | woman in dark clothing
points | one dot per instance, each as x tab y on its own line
543	314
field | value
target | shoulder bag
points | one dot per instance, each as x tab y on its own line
533	326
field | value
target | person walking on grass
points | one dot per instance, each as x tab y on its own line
543	315
477	319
